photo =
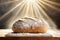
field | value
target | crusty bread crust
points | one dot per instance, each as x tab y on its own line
29	25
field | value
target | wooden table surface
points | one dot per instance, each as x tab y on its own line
3	32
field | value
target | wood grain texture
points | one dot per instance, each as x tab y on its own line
3	32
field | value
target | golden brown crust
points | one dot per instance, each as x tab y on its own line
29	25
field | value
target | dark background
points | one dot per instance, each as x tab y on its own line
55	15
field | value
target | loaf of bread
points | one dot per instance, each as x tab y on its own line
29	25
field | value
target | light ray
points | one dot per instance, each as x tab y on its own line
11	10
27	9
11	21
42	6
53	7
45	14
8	2
48	18
34	12
54	3
22	12
37	12
15	17
17	13
31	8
30	12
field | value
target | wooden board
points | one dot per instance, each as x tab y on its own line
29	35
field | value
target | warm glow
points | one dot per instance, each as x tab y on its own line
30	1
30	8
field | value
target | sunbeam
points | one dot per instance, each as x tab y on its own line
31	8
29	11
8	2
54	3
46	16
20	13
51	6
17	12
11	10
37	12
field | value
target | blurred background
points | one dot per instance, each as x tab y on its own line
53	14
